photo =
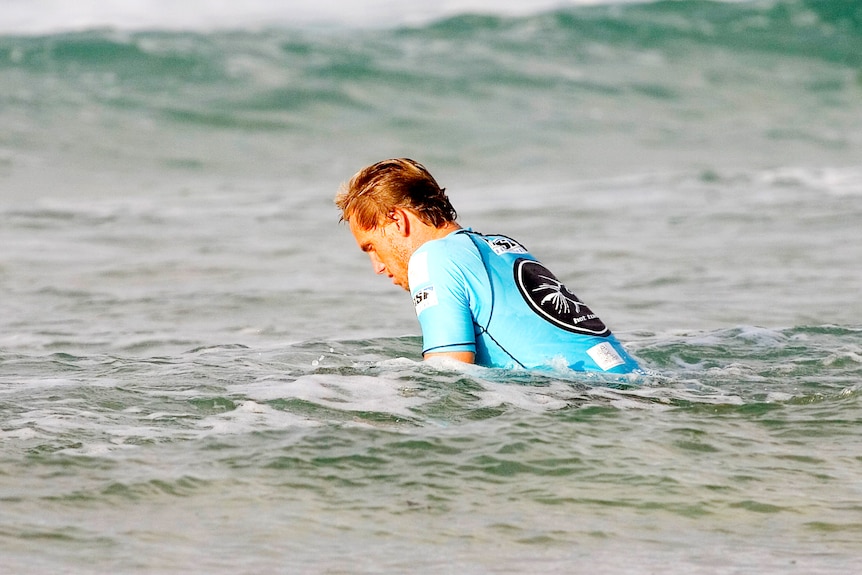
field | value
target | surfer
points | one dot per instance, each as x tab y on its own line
479	298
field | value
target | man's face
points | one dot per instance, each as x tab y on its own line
388	250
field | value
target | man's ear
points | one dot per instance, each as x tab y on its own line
402	221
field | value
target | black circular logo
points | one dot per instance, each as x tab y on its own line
549	298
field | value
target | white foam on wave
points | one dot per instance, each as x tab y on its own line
536	399
843	181
851	353
23	433
36	385
382	394
97	449
41	16
252	416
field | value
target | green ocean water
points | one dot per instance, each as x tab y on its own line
200	374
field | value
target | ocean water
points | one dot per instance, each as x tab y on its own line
200	374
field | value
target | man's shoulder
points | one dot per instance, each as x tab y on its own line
500	244
448	246
466	246
442	258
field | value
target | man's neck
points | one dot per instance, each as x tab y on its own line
422	232
445	230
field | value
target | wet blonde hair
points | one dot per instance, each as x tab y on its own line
370	196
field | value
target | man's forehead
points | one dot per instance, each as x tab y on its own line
361	234
355	228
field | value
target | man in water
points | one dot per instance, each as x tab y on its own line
479	298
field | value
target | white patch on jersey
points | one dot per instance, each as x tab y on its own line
505	246
424	299
417	269
605	356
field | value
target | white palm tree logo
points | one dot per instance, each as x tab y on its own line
556	296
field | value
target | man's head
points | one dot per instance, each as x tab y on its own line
393	207
370	195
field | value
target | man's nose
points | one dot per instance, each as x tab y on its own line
378	266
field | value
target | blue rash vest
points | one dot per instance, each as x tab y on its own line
488	295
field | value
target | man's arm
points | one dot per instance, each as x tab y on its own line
440	295
464	356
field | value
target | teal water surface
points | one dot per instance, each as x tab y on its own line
200	373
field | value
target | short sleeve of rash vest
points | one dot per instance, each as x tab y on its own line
438	275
